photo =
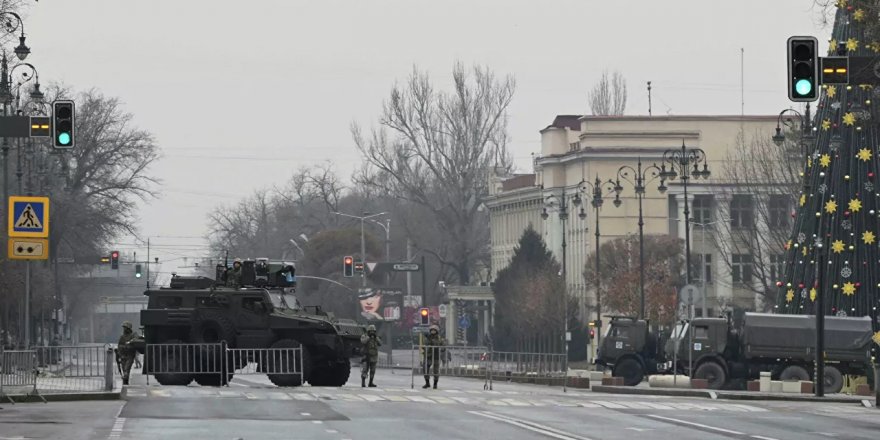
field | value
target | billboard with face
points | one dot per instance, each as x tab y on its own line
380	304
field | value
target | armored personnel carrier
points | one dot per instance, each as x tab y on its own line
262	313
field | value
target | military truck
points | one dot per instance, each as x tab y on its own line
264	313
631	350
781	344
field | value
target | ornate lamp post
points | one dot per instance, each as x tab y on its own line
638	177
684	163
561	203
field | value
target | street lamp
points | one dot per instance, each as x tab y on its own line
21	51
596	202
685	163
638	179
366	216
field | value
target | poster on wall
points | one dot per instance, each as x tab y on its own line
380	304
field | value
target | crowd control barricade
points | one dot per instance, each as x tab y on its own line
527	367
62	369
216	364
18	374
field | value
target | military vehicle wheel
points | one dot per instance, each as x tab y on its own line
172	360
341	373
212	328
713	373
630	370
833	380
332	375
794	372
282	362
212	380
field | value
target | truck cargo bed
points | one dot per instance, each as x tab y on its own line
773	336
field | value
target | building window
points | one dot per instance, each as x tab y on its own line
779	211
702	209
742	211
703	261
777	267
741	268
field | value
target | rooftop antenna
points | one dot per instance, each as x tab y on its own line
649	98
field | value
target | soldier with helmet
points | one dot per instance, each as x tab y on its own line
433	351
233	275
126	351
371	343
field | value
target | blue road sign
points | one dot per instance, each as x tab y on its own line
29	217
464	322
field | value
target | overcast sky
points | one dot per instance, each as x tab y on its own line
240	93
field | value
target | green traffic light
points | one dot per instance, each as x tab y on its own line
137	275
803	87
63	138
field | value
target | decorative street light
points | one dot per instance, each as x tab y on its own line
638	177
21	51
685	163
596	202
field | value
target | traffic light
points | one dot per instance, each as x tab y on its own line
592	333
137	271
359	267
803	69
63	115
348	266
114	260
424	315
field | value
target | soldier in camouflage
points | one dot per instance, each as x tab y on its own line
371	344
433	352
125	351
233	275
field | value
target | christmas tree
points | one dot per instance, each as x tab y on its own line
834	248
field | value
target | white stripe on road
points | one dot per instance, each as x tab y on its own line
531	426
118	426
609	404
761	437
699	425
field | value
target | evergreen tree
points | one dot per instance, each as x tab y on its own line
528	297
833	249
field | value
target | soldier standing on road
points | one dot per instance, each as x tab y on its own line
433	354
371	344
233	276
125	351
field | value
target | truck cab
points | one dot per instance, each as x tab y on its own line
700	347
630	349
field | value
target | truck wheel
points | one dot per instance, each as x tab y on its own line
713	373
211	328
278	364
630	370
833	380
794	372
341	372
173	361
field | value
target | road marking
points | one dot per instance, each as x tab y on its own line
514	402
609	404
761	437
371	398
420	399
332	431
867	403
640	429
396	398
699	425
748	407
531	426
301	396
250	396
279	396
317	422
118	426
445	400
160	393
305	414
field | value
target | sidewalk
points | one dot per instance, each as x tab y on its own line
730	395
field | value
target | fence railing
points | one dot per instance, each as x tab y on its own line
56	369
216	364
483	362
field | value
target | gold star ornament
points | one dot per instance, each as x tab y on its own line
864	155
830	206
849	288
803	199
813	294
831	91
859	15
826	123
825	160
789	295
804	251
855	205
841	3
849	119
837	246
868	237
876	338
852	44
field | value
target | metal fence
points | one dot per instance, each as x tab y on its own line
483	363
216	364
62	369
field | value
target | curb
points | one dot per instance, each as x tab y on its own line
67	397
722	394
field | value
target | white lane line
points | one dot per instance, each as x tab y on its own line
531	426
332	431
305	414
317	422
118	426
761	437
699	425
609	405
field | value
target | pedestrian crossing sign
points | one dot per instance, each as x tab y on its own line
28	217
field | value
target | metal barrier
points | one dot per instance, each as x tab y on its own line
74	368
18	372
482	362
216	364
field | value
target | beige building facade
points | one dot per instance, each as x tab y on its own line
578	148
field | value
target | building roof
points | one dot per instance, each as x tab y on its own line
573	122
518	181
680	118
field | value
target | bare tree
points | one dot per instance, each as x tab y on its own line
759	183
608	97
439	153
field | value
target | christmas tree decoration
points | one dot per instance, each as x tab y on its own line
837	208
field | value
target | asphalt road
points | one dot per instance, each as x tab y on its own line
252	408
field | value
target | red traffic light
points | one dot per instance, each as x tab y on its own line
114	254
348	260
424	312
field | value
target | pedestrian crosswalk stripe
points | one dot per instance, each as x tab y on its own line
514	402
420	399
371	397
609	404
302	396
279	396
396	398
442	400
